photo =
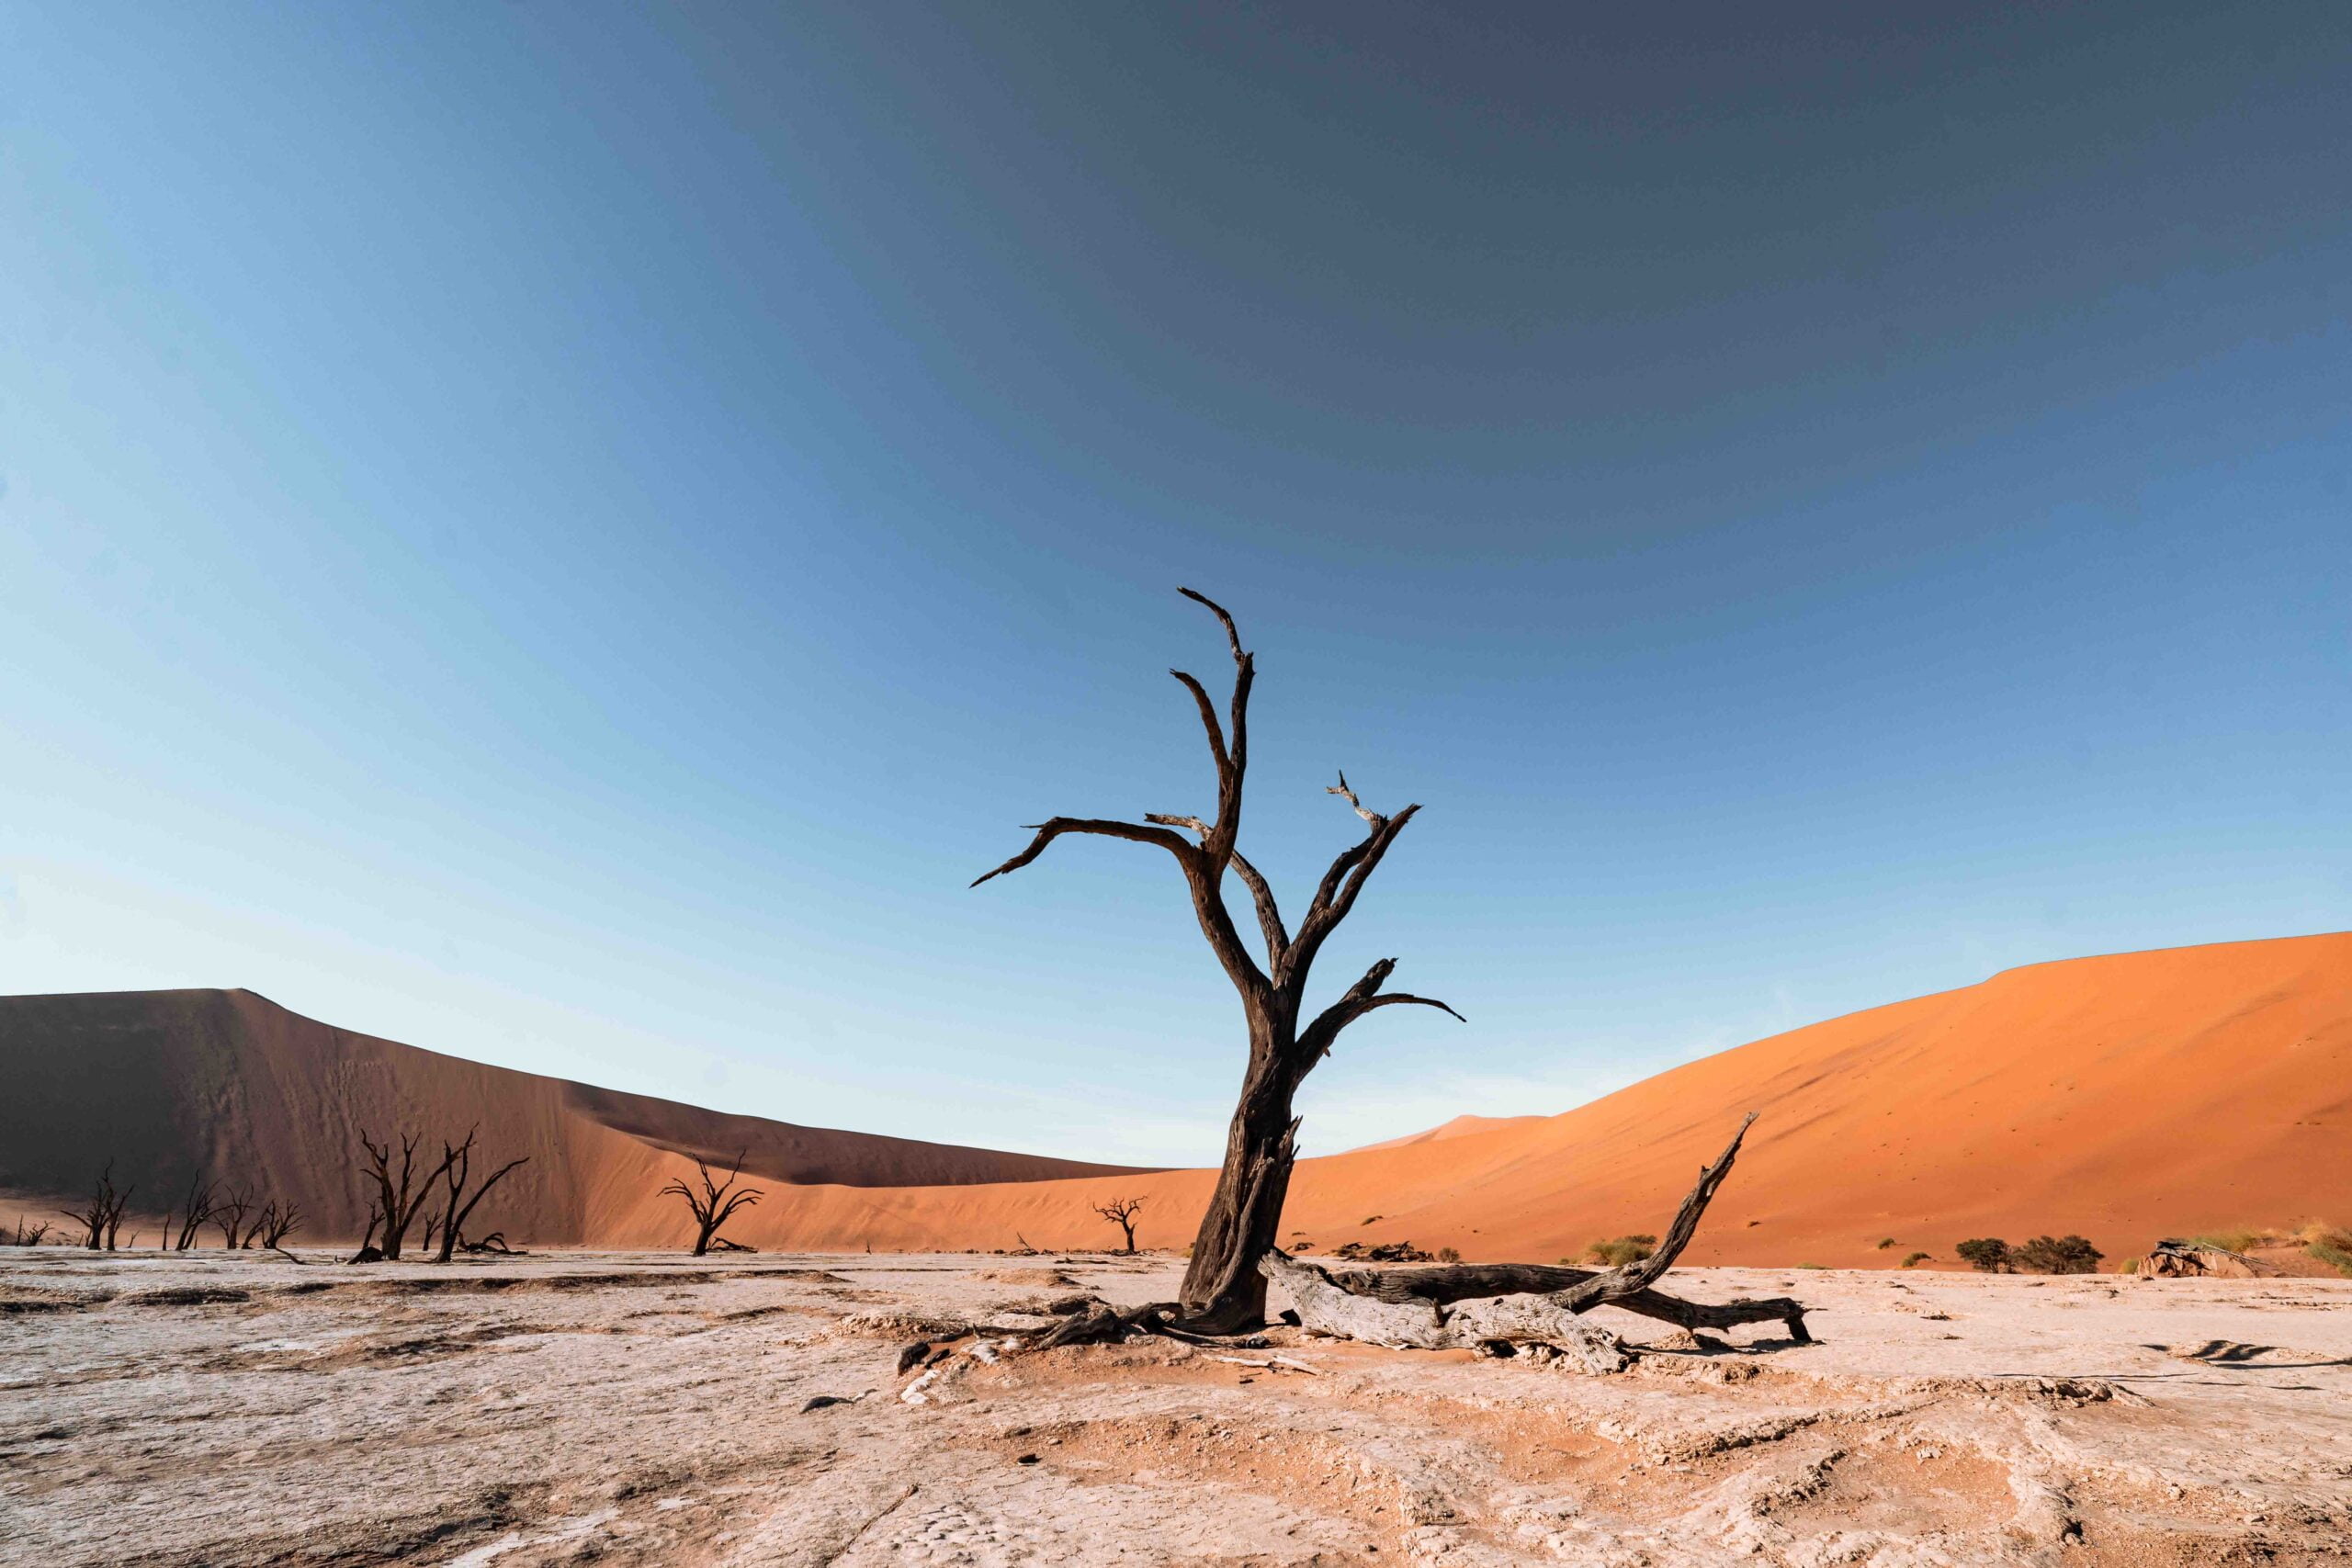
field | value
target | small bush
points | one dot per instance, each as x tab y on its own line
1986	1255
2057	1255
1887	1243
1916	1258
2336	1258
1372	1219
2319	1233
1620	1251
2128	1266
1813	1265
1449	1255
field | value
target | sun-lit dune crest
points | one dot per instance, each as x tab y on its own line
2122	1098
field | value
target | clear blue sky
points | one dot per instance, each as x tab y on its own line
567	534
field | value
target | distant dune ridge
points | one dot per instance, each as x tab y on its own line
2122	1098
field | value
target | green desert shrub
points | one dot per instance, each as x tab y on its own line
1449	1255
1885	1243
1915	1259
2336	1258
1620	1251
1986	1255
2057	1255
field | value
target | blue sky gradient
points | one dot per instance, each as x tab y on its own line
567	535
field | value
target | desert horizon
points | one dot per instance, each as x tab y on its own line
1974	1079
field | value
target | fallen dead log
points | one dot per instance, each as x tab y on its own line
1465	1305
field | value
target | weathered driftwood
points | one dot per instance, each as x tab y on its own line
1518	1303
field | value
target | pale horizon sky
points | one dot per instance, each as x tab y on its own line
568	536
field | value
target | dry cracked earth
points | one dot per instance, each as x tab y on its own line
227	1409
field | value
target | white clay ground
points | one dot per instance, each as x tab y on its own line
224	1409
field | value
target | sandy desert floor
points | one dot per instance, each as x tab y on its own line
633	1408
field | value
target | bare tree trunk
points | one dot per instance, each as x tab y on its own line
1223	1291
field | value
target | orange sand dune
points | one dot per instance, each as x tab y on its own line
1460	1127
2123	1097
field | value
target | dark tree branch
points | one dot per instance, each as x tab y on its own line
1208	722
1233	751
1055	827
1232	633
1336	895
1639	1276
1270	914
1315	1040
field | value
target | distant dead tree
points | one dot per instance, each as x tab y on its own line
368	1251
277	1222
715	1202
455	1163
1223	1291
402	1187
230	1213
26	1236
101	1217
1122	1212
193	1214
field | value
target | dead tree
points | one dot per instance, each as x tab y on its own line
277	1222
230	1213
1223	1291
1122	1212
1471	1305
401	1188
368	1251
101	1218
454	1165
714	1204
194	1213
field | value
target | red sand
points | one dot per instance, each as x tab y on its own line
2123	1098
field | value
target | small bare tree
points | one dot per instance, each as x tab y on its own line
454	1165
401	1186
101	1217
715	1202
28	1236
194	1213
230	1213
1120	1212
277	1222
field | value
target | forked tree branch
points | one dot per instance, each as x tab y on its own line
1261	894
1315	1040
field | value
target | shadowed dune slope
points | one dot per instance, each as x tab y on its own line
168	1083
2123	1098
